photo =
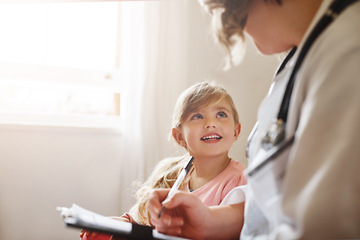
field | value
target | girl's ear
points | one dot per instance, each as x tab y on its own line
177	135
237	130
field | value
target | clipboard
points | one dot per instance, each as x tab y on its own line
78	217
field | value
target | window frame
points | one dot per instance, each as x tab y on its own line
110	80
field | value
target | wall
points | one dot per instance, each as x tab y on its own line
45	167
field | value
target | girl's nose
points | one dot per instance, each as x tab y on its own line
210	124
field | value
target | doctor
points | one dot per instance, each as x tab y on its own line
304	152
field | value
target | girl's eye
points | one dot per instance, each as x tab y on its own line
196	116
221	115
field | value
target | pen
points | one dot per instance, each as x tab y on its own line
178	182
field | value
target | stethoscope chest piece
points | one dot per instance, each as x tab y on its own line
275	135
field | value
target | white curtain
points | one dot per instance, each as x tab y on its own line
155	55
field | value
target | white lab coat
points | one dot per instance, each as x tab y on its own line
312	190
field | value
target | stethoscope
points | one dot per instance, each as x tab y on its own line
275	136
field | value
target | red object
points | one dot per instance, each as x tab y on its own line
100	236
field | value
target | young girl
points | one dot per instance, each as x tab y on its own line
206	124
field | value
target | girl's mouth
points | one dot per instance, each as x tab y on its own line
211	138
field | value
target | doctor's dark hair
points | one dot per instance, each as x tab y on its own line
228	22
201	95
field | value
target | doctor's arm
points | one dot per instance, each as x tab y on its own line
187	216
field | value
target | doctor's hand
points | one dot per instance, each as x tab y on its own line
184	215
187	216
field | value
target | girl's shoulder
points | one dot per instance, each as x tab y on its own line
232	173
235	165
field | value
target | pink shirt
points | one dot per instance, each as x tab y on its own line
213	192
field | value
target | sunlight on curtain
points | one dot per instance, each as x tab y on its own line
132	59
159	73
166	78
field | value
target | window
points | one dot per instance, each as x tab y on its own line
59	64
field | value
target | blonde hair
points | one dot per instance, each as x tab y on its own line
228	22
200	95
167	170
163	176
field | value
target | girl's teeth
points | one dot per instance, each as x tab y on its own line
211	137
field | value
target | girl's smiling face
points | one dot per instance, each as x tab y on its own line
209	131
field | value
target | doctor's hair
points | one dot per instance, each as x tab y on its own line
228	22
199	95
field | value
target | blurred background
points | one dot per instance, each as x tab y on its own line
87	90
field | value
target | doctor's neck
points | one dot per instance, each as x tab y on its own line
298	16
